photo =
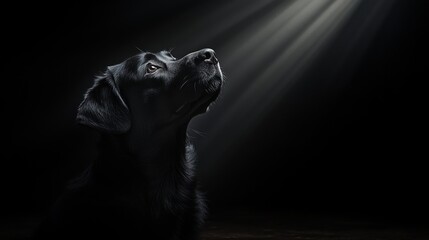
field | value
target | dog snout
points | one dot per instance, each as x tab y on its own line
207	55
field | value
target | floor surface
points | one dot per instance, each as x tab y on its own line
266	226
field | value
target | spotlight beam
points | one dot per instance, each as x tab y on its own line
294	59
309	30
266	43
289	63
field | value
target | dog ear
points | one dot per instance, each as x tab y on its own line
103	107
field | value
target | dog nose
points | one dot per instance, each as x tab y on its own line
208	55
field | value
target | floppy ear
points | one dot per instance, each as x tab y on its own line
103	107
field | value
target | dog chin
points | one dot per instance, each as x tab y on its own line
212	85
200	104
207	90
207	100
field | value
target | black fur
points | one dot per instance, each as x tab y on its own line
142	185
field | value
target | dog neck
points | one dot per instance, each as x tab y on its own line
149	160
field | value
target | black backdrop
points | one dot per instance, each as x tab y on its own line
357	151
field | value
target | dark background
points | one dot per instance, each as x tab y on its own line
349	142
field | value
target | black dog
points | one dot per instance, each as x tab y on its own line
142	185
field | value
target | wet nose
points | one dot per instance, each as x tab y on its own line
207	55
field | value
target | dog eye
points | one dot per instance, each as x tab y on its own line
152	68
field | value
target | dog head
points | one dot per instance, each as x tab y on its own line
152	90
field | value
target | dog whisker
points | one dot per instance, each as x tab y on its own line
202	134
183	84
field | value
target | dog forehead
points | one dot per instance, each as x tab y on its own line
161	56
